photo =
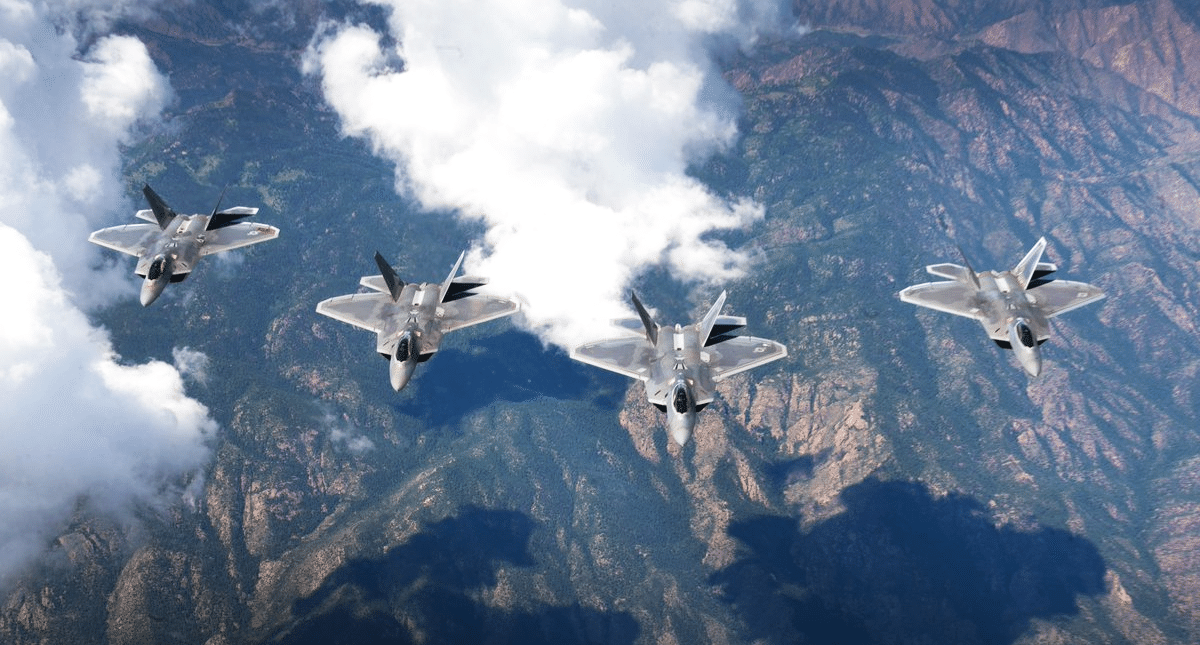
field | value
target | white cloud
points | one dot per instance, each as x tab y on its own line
567	129
345	435
191	364
120	84
75	422
62	116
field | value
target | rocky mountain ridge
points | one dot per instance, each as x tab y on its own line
897	480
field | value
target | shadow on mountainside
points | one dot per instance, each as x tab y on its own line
426	590
901	566
511	366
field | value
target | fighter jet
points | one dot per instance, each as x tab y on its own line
410	319
168	249
1015	307
680	365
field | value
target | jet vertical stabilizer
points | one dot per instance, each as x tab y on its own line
647	321
974	277
394	284
162	212
450	278
1028	265
710	318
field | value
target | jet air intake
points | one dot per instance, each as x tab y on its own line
1025	345
157	278
681	413
403	362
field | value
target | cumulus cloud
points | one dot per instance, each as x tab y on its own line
346	436
191	364
120	84
566	127
62	114
76	423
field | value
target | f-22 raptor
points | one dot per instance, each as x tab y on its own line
169	249
680	365
1015	307
410	319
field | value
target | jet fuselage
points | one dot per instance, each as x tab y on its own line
412	332
678	371
1007	311
171	257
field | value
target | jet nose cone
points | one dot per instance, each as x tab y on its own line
399	372
150	293
1032	367
681	426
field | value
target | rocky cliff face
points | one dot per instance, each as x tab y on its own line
897	480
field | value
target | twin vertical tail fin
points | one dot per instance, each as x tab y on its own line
219	200
970	269
1029	264
710	318
394	284
647	321
162	212
450	278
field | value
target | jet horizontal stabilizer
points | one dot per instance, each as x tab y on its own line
229	216
952	271
722	329
461	286
1040	274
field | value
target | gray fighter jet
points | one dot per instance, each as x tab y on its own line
168	249
1015	307
410	319
680	366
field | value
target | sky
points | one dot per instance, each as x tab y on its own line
77	423
566	128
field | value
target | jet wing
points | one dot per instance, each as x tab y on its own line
133	239
632	325
236	235
629	356
951	297
375	283
363	310
473	310
1061	296
741	353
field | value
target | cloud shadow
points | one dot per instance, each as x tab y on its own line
426	590
510	366
901	566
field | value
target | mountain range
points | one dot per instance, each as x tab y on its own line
897	479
